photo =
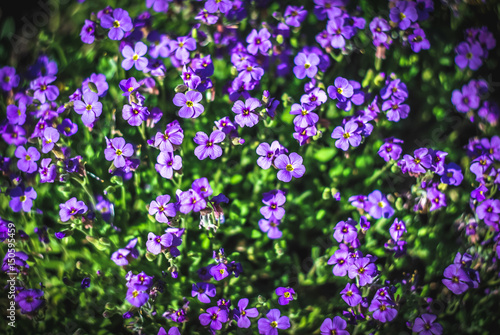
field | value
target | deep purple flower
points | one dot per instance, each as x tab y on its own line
424	325
341	261
8	78
347	135
390	149
420	162
456	279
242	314
134	114
15	114
22	199
173	135
271	228
159	6
47	171
489	211
306	65
189	103
268	153
466	99
397	229
119	21
30	300
346	231
379	206
118	151
351	295
203	291
395	108
245	112
85	283
469	54
134	57
27	159
14	135
70	208
294	15
212	6
305	117
67	127
289	166
363	269
129	86
87	34
137	295
335	326
315	97
273	200
418	41
285	295
43	91
259	41
162	209
214	317
90	108
273	322
404	13
219	271
341	90
207	145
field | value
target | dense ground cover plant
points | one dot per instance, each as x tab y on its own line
241	167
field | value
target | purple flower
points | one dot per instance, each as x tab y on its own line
161	209
345	231
167	163
219	271
70	208
67	127
268	153
213	6
305	117
335	326
404	13
273	322
189	103
134	114
489	211
203	291
8	78
270	227
339	32
382	310
173	135
50	137
469	54
421	160
135	57
129	86
119	21
259	41
47	171
390	149
87	34
306	65
363	269
418	41
341	261
44	91
315	97
245	112
289	166
456	279
466	99
118	151
15	114
214	317
85	283
285	295
207	145
273	200
182	46
378	26
395	108
22	199
27	159
191	200
30	300
347	135
242	314
397	229
351	295
159	6
137	295
424	325
294	15
341	90
89	108
379	206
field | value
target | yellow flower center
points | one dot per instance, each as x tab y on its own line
22	198
189	103
274	324
116	24
89	107
119	152
289	167
135	57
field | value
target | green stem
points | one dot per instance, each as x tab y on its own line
377	174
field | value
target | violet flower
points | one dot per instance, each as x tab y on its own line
289	166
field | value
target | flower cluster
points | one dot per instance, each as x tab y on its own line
459	276
474	50
272	212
